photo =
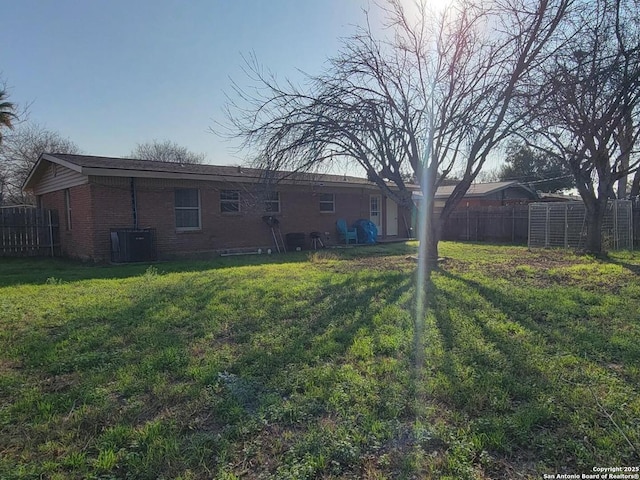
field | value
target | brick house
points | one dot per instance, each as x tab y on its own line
479	195
494	211
198	209
491	194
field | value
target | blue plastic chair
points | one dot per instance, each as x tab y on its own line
345	233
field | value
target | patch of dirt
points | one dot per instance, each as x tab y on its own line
381	264
530	267
523	466
544	259
59	383
7	366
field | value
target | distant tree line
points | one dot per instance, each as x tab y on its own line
166	151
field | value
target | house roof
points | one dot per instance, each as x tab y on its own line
558	197
125	167
478	189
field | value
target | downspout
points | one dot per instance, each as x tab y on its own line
51	232
134	203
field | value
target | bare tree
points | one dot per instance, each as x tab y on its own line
590	116
19	152
166	151
430	98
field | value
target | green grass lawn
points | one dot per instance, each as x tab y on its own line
312	365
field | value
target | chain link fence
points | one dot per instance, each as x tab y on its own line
564	225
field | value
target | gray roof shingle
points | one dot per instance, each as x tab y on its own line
114	163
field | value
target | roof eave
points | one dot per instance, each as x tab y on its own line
241	177
115	172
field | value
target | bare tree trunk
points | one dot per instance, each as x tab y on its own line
621	192
596	207
428	231
635	186
594	222
626	142
433	239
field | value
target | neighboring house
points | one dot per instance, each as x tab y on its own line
195	209
495	211
492	194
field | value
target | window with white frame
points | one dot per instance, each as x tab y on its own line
327	203
187	206
229	201
272	202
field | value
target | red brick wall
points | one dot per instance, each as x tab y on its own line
78	241
105	203
55	201
299	213
113	209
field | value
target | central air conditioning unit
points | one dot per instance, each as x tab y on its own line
133	245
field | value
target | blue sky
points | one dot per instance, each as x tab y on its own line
110	74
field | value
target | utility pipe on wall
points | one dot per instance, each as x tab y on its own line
134	203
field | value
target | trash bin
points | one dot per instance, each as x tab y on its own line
367	231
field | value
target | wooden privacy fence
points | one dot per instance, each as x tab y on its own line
28	231
506	224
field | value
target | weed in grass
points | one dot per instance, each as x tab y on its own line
323	257
115	438
106	461
75	461
54	281
226	475
362	347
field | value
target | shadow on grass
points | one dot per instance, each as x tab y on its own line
17	271
111	364
37	270
568	328
341	310
488	372
516	373
633	268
